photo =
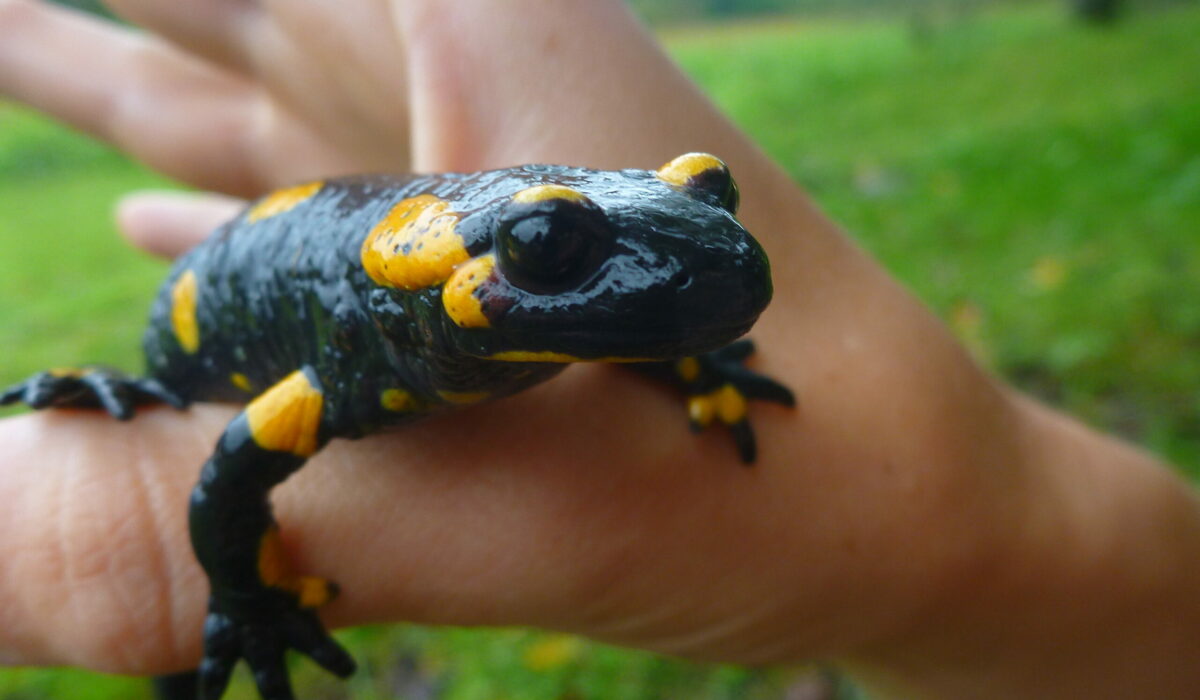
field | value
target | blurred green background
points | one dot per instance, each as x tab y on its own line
1034	177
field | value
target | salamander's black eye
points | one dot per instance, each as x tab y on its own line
706	175
551	238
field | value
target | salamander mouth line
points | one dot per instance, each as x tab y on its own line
631	346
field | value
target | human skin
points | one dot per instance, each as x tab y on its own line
913	518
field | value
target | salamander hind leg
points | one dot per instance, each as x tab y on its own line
90	387
258	608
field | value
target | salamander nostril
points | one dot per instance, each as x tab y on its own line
682	280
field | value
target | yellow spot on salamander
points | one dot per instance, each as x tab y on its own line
463	397
533	356
183	312
273	571
398	400
240	380
286	417
549	356
541	193
701	409
67	372
458	295
688	368
415	245
726	403
272	564
681	170
731	405
281	201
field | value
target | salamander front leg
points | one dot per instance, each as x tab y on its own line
258	608
90	387
719	387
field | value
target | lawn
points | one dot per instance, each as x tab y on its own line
1035	181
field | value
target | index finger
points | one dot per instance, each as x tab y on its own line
133	91
218	30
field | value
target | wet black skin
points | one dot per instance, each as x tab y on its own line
641	269
666	272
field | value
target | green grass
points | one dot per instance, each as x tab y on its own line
73	293
1035	181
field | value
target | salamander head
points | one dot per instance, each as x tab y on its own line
563	264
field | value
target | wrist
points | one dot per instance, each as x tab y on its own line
1086	587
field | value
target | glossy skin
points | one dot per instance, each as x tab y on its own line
344	306
673	274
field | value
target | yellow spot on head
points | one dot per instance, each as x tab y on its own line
398	400
240	380
458	295
415	246
286	417
687	166
281	201
183	312
463	397
688	368
67	372
541	193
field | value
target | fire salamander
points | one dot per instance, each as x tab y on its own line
336	308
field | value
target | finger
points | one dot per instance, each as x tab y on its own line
35	39
174	112
168	223
217	30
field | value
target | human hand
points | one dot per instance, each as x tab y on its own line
230	96
905	479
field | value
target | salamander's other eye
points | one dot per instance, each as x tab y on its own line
550	239
705	175
721	184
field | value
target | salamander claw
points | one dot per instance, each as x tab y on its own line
36	392
90	387
743	438
262	641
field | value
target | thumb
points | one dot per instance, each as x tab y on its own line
168	223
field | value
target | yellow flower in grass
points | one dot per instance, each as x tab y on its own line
966	319
552	651
1048	273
